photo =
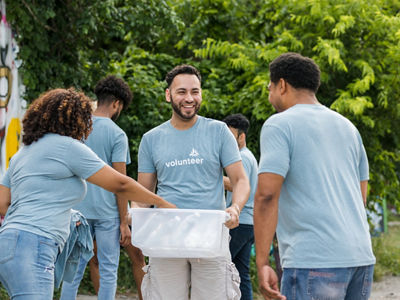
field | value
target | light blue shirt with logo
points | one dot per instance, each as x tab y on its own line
322	221
110	143
251	168
46	179
189	163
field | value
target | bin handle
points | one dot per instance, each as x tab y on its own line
227	217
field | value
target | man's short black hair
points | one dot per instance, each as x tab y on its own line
238	121
112	88
299	71
181	69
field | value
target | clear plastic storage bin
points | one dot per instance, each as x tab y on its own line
165	232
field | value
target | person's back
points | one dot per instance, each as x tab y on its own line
312	187
321	192
109	142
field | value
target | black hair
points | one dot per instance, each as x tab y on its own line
181	69
112	88
237	121
299	71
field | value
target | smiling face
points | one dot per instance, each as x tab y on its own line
184	94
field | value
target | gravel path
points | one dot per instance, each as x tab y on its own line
386	289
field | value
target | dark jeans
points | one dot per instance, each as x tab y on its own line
242	238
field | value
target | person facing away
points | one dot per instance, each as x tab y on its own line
185	157
314	165
242	237
45	179
106	214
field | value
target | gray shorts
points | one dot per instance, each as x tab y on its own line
201	278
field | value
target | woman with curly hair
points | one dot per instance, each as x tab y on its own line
46	177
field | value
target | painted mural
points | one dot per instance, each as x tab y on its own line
11	91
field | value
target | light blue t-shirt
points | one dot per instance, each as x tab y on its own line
189	163
322	221
251	168
46	179
110	143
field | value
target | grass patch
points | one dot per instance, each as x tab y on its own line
387	252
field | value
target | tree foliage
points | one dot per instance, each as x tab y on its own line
355	42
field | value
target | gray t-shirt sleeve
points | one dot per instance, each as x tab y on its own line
82	161
229	153
274	151
120	151
145	159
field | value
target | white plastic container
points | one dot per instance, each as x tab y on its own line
165	232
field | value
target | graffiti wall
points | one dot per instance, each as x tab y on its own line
11	91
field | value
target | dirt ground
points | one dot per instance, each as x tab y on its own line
386	289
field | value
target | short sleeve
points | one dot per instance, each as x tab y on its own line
229	152
82	161
120	151
274	151
145	158
363	165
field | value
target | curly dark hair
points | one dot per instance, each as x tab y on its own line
182	69
112	88
299	71
62	111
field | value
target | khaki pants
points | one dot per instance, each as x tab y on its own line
208	279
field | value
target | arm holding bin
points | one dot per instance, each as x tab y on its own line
126	187
240	192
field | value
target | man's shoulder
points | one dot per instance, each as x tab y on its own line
160	129
212	127
100	123
210	122
247	155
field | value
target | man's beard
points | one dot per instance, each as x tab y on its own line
176	109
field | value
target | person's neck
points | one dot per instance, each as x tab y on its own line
303	97
102	112
180	124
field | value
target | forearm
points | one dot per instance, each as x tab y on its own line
265	221
122	204
136	192
364	190
227	184
240	193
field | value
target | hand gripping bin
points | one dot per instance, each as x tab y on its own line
184	233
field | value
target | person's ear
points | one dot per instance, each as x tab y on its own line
282	86
168	95
116	103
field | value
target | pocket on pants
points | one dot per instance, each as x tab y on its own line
8	244
148	288
232	282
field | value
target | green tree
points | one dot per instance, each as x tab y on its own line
355	43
